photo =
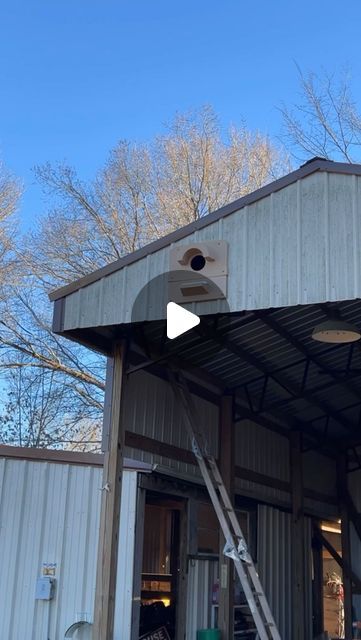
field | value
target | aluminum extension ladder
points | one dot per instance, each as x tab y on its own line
236	546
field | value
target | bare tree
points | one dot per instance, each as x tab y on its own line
43	410
9	198
54	388
143	192
326	121
198	170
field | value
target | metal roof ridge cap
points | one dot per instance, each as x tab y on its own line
272	187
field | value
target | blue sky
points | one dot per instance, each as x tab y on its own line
77	76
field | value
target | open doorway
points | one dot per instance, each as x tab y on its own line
160	578
329	611
333	593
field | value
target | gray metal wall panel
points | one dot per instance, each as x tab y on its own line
265	452
274	566
50	513
299	245
354	485
320	473
125	568
153	413
202	574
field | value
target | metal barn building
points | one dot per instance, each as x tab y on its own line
276	390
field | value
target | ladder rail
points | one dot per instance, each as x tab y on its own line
226	516
237	528
239	566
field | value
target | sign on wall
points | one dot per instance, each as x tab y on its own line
158	634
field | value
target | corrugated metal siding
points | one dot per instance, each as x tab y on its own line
125	568
265	452
354	485
154	414
50	513
202	574
320	473
299	245
274	566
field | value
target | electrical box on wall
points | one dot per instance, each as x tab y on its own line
198	271
44	588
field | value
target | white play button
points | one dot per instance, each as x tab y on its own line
179	320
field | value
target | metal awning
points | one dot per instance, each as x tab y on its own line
279	375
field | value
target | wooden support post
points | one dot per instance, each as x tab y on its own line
345	544
226	569
103	626
298	539
181	615
317	581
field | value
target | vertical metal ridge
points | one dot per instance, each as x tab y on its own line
16	559
299	242
272	292
355	237
326	221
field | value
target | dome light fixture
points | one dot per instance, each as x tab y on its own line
335	331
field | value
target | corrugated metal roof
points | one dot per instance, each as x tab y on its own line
262	358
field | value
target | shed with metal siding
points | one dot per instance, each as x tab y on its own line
49	513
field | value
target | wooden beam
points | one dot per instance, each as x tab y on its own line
103	626
173	452
226	567
298	539
182	574
318	608
345	544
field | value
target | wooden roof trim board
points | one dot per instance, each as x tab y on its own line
310	167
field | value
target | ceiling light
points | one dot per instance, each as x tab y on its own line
336	332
